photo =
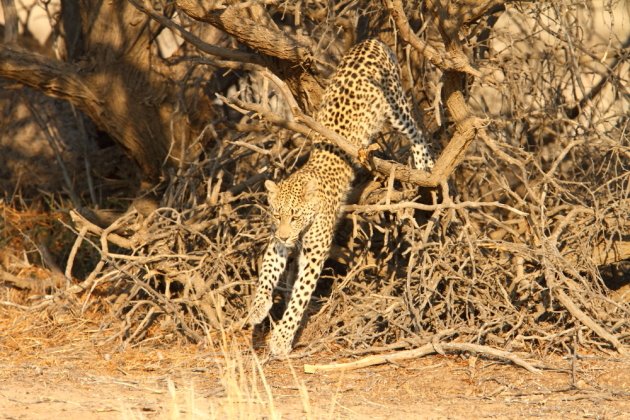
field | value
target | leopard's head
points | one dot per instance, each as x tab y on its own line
294	203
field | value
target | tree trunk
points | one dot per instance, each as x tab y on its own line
113	79
10	22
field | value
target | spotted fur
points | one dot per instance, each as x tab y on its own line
362	96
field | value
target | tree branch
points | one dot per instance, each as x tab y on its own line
455	63
454	60
290	58
10	22
51	77
85	91
224	53
427	349
441	171
234	20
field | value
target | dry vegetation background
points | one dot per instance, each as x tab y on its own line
136	196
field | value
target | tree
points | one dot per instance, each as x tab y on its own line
112	71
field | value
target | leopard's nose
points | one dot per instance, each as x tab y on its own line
284	230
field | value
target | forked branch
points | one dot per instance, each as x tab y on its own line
452	59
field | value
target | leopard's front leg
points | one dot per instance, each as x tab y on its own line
274	262
315	247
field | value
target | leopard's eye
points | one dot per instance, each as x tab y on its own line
275	215
294	218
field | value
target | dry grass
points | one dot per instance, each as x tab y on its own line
222	380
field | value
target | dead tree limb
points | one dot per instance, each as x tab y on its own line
288	56
224	53
456	64
234	20
453	60
429	348
444	166
83	223
64	81
580	315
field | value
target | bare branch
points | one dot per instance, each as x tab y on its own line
224	53
289	57
444	166
263	38
429	348
453	60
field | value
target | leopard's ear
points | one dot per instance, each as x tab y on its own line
271	186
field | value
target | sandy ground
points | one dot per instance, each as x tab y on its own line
53	372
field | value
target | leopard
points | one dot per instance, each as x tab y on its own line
363	95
